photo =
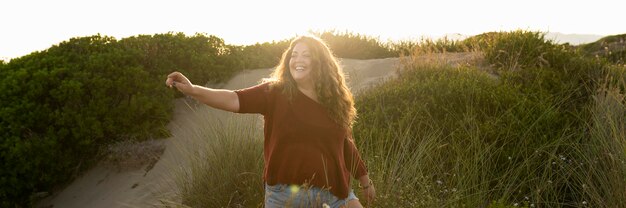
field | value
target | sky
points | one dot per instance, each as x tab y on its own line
34	25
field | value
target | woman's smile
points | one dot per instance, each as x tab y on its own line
300	64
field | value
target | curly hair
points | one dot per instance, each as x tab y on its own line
330	84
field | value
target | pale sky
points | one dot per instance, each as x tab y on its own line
33	25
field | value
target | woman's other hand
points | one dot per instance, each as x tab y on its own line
367	188
370	194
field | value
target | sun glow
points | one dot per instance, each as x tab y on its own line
32	25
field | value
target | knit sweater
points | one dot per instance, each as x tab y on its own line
302	145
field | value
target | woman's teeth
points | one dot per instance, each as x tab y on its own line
299	68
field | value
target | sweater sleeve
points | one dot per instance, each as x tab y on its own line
353	160
254	99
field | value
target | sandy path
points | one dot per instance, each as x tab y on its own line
105	187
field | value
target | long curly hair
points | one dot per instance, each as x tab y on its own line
329	79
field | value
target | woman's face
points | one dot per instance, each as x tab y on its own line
300	64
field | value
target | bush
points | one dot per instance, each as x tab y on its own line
355	46
262	55
60	106
202	59
537	66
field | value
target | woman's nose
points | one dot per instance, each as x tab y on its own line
297	58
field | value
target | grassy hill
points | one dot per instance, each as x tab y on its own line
613	48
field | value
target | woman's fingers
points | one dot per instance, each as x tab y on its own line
370	194
170	79
174	78
179	81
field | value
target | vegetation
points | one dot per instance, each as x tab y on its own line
355	46
225	165
612	48
455	137
261	55
543	127
60	106
425	46
344	45
546	130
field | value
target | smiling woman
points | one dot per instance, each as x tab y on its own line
308	113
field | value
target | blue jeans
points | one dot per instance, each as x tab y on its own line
294	196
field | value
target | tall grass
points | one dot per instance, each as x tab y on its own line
456	137
469	150
225	168
426	45
604	152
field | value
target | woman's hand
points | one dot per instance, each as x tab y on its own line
221	99
369	193
367	188
178	80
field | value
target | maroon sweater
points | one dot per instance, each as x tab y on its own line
302	143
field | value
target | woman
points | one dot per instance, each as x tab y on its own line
308	110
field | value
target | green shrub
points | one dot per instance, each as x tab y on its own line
202	59
59	106
482	41
537	66
355	46
263	55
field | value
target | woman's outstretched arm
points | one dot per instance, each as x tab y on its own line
217	98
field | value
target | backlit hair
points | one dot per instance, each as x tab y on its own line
329	79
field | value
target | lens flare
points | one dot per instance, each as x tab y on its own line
294	189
